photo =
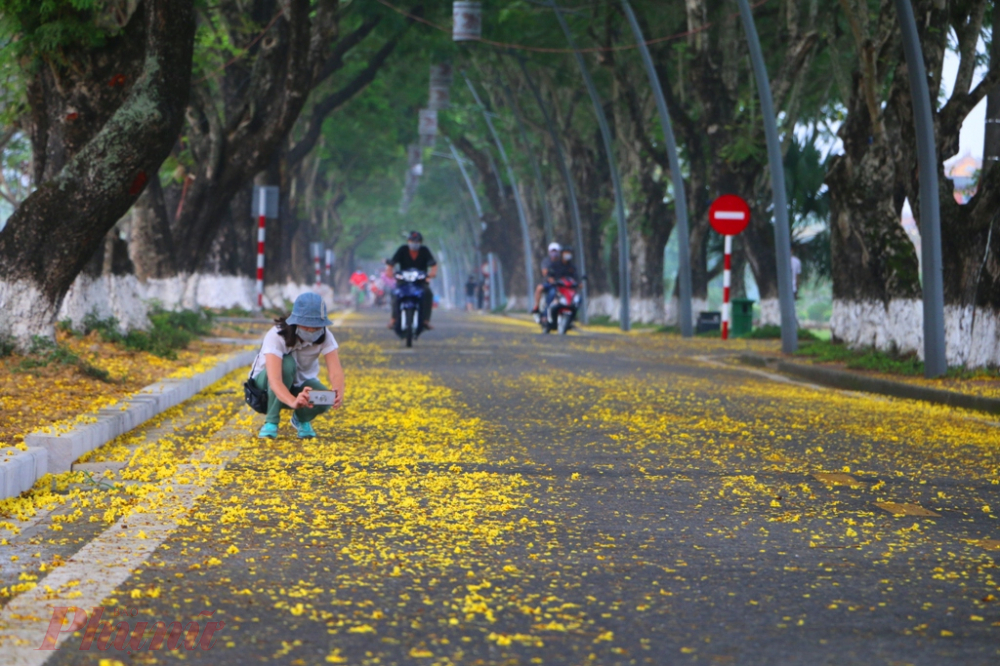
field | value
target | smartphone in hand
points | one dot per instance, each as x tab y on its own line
324	398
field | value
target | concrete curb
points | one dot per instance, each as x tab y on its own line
20	470
850	381
56	453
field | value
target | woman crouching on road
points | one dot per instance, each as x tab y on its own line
288	366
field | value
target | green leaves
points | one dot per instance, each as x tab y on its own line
50	28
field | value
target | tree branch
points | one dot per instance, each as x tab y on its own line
335	100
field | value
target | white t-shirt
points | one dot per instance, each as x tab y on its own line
796	271
306	354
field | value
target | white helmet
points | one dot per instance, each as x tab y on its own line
554	247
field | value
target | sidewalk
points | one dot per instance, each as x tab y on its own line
976	394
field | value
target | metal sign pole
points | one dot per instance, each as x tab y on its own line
574	205
935	360
623	281
680	195
528	262
782	234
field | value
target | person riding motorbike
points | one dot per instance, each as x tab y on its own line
414	255
548	263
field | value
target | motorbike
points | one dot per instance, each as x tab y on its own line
409	291
560	313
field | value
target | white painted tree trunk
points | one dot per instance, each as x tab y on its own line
25	312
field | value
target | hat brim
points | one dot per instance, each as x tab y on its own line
311	322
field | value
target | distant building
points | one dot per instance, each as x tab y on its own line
964	173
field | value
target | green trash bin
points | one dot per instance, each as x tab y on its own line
742	316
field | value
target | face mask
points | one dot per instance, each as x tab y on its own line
414	246
309	336
567	256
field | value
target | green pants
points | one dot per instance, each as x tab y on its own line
274	406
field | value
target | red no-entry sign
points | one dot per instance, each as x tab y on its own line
729	214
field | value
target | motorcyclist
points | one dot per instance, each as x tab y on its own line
548	264
414	255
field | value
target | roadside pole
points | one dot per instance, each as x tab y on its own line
539	185
317	253
329	263
266	201
782	234
574	205
624	286
680	195
478	239
935	359
529	270
729	215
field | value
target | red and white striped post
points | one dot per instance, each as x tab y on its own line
261	223
266	200
728	215
329	262
317	252
726	268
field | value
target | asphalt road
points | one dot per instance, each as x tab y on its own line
495	496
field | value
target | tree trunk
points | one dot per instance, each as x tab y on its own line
60	226
152	246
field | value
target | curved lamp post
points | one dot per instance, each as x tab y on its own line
782	235
528	263
574	206
680	195
546	214
935	360
602	121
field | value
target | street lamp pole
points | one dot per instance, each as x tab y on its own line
602	121
680	196
782	234
574	205
528	263
935	359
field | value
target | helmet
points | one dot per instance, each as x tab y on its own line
554	247
415	237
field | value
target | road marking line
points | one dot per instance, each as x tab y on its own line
905	509
99	566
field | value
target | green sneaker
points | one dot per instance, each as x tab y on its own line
305	430
270	431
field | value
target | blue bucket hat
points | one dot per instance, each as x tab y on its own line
309	310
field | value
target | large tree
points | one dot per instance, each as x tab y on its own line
877	295
106	101
243	111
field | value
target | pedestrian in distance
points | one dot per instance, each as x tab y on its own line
287	365
471	286
796	272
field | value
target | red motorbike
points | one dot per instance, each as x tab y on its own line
561	311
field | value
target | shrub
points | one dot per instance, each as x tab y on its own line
44	352
772	331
